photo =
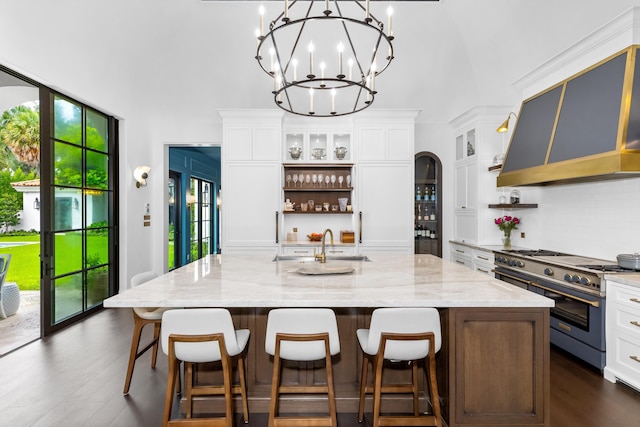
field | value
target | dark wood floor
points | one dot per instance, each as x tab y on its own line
75	378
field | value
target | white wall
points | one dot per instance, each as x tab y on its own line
165	66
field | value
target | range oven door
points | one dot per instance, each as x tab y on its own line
575	313
512	277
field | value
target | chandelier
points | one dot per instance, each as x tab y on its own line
324	55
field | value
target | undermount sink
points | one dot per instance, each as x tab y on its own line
329	258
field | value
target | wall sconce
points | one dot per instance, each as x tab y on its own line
505	125
141	173
191	199
36	204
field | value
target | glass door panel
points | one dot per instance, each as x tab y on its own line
79	254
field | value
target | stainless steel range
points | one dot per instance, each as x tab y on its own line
577	286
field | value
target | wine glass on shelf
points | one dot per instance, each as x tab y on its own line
295	180
301	179
340	180
348	180
333	180
320	179
326	180
314	179
307	179
288	180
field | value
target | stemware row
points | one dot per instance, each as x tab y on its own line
317	180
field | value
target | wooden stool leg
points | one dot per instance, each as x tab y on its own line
168	401
188	387
433	389
414	387
330	389
243	389
275	386
363	386
377	387
138	324
156	341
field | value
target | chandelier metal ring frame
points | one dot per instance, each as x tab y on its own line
340	93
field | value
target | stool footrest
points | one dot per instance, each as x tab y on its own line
300	421
293	389
407	421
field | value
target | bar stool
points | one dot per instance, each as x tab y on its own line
143	316
401	335
202	335
302	334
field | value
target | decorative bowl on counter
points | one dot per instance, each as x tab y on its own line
315	237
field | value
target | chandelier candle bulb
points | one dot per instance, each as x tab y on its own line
294	62
333	101
390	14
286	9
322	67
350	68
310	101
310	76
326	5
340	50
367	16
272	54
261	11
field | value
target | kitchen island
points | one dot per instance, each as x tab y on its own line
493	368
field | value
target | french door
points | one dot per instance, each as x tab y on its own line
201	222
79	211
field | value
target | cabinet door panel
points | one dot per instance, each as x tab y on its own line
237	143
371	143
386	203
400	144
461	186
250	196
266	143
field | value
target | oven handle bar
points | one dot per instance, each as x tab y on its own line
529	282
586	301
526	282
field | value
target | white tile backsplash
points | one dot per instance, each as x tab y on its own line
600	219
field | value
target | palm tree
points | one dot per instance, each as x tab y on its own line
20	132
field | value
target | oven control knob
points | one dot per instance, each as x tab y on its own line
585	281
548	271
512	262
520	263
567	277
576	279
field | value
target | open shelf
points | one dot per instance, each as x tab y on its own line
513	205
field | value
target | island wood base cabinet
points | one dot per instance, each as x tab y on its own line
493	368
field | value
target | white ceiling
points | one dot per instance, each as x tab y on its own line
188	58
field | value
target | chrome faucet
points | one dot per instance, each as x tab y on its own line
322	256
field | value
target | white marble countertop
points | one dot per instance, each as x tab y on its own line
386	281
630	279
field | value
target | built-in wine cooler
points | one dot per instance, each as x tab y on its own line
428	211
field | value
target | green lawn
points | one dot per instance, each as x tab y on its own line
25	261
24	268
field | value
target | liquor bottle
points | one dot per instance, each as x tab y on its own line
433	194
418	194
